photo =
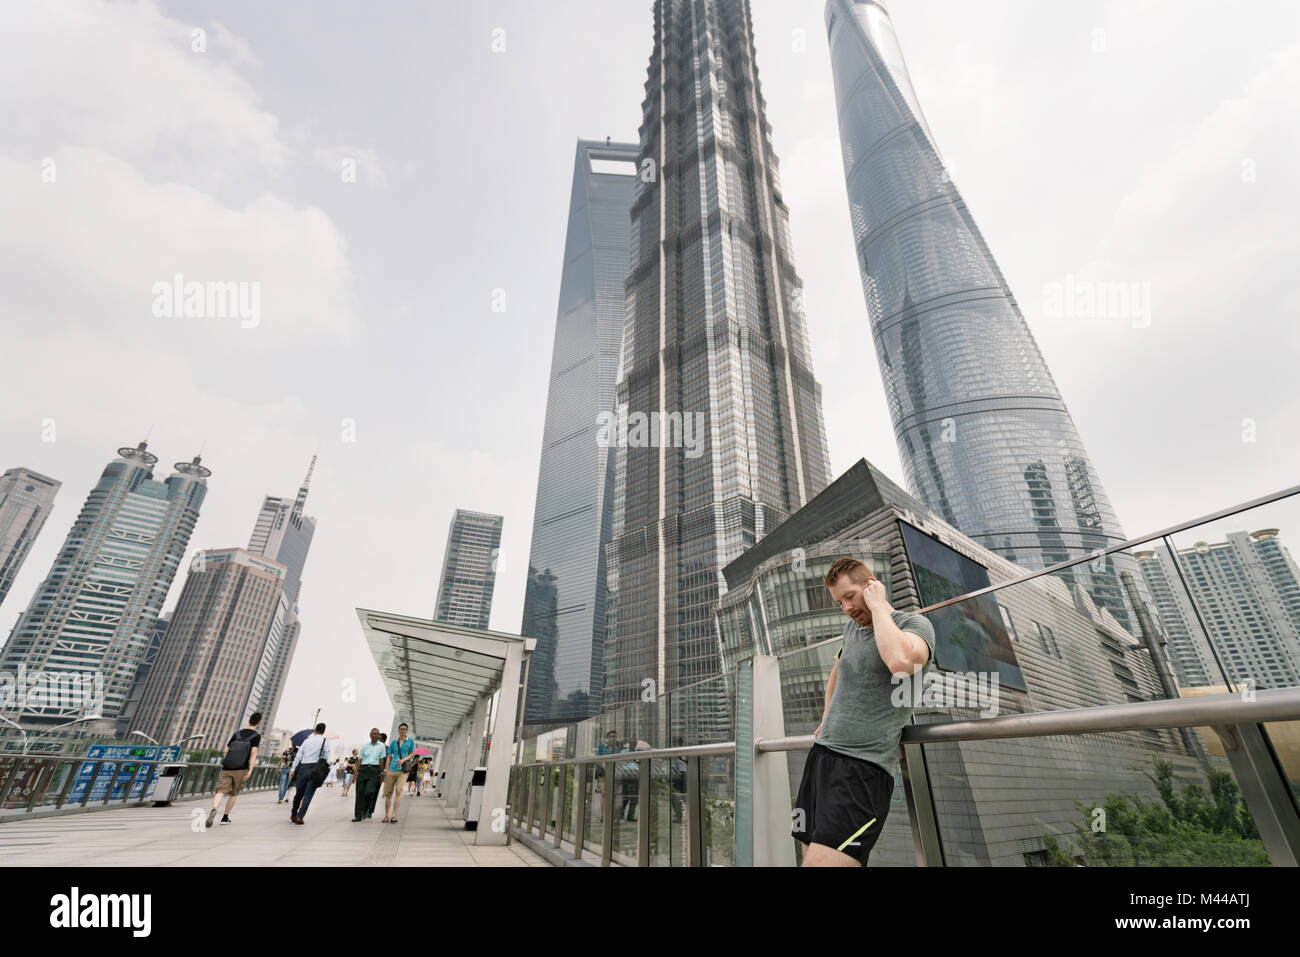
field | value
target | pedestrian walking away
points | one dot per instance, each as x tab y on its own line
349	772
286	762
236	767
400	755
848	778
370	768
314	750
374	798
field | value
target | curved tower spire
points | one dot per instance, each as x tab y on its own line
985	438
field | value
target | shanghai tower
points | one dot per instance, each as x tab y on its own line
985	439
720	433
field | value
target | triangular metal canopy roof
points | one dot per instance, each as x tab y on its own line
435	671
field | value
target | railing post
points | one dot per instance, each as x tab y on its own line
762	779
581	798
607	823
42	782
532	800
513	799
561	792
1264	787
67	785
10	778
90	785
131	783
643	812
920	808
694	813
546	802
112	782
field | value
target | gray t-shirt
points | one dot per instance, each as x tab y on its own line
862	721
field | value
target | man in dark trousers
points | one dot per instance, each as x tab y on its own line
374	798
304	766
372	759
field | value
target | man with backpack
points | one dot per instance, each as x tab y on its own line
236	767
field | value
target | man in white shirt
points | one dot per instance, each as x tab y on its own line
304	767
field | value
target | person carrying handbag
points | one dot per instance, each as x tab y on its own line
311	767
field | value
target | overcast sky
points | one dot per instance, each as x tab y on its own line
1150	143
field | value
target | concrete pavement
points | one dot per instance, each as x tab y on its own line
261	835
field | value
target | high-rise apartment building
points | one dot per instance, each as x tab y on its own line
564	600
469	569
93	617
720	425
26	498
1247	594
985	439
204	675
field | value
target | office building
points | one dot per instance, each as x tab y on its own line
282	533
26	498
469	569
720	425
207	665
564	599
985	438
93	617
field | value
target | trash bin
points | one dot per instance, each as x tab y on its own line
474	798
168	783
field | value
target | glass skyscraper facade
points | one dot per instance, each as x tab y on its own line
282	533
564	599
26	498
96	610
985	439
714	344
469	569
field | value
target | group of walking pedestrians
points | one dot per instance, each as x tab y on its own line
307	767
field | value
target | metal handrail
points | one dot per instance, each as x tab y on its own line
686	751
1122	546
1281	704
37	803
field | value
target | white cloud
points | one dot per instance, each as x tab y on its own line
87	249
121	77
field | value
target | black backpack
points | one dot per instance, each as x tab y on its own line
237	753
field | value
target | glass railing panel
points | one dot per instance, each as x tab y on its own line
594	814
661	812
1285	739
1236	618
702	713
1094	800
626	784
718	835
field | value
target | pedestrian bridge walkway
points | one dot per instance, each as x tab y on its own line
261	835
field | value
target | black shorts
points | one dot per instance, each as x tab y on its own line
842	802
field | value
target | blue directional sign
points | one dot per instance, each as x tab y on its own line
131	759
